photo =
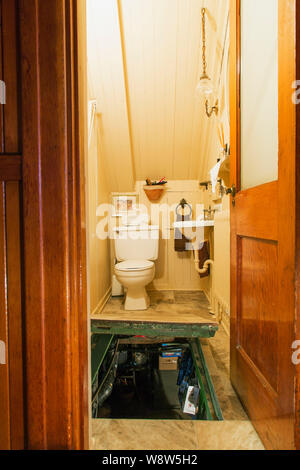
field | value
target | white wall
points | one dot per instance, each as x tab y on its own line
98	192
218	290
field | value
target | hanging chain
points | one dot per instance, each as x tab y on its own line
204	43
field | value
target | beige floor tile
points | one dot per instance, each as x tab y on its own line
143	435
227	435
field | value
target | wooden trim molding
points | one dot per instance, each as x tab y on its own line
297	323
54	239
101	304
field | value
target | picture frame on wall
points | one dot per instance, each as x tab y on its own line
124	204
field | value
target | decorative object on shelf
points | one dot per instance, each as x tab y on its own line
124	203
205	86
154	189
155	183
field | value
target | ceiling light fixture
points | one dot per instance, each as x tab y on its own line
205	86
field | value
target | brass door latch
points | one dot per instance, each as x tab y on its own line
232	191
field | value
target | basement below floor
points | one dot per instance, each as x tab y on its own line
163	426
234	433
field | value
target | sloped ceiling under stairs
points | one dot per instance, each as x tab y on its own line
144	62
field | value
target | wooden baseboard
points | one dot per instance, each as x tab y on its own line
102	303
170	289
225	322
220	308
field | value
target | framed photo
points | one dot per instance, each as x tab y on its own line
124	204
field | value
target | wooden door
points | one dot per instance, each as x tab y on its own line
11	335
43	322
263	252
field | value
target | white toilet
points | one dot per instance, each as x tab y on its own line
136	247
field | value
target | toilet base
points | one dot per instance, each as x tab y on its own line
137	299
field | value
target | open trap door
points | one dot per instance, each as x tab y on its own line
146	378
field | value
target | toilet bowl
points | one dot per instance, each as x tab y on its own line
136	249
135	275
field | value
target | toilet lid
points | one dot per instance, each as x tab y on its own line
134	265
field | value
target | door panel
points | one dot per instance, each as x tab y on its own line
257	311
263	253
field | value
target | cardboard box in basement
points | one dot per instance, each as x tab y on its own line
168	363
171	354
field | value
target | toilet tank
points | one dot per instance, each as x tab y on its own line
136	243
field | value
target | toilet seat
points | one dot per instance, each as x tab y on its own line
134	265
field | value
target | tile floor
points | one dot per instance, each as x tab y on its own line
234	433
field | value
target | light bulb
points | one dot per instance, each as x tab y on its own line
205	87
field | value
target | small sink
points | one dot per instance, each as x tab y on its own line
194	229
194	223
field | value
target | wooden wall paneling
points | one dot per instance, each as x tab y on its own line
158	45
108	85
188	120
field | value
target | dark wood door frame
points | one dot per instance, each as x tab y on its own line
55	317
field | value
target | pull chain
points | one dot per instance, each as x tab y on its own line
204	43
